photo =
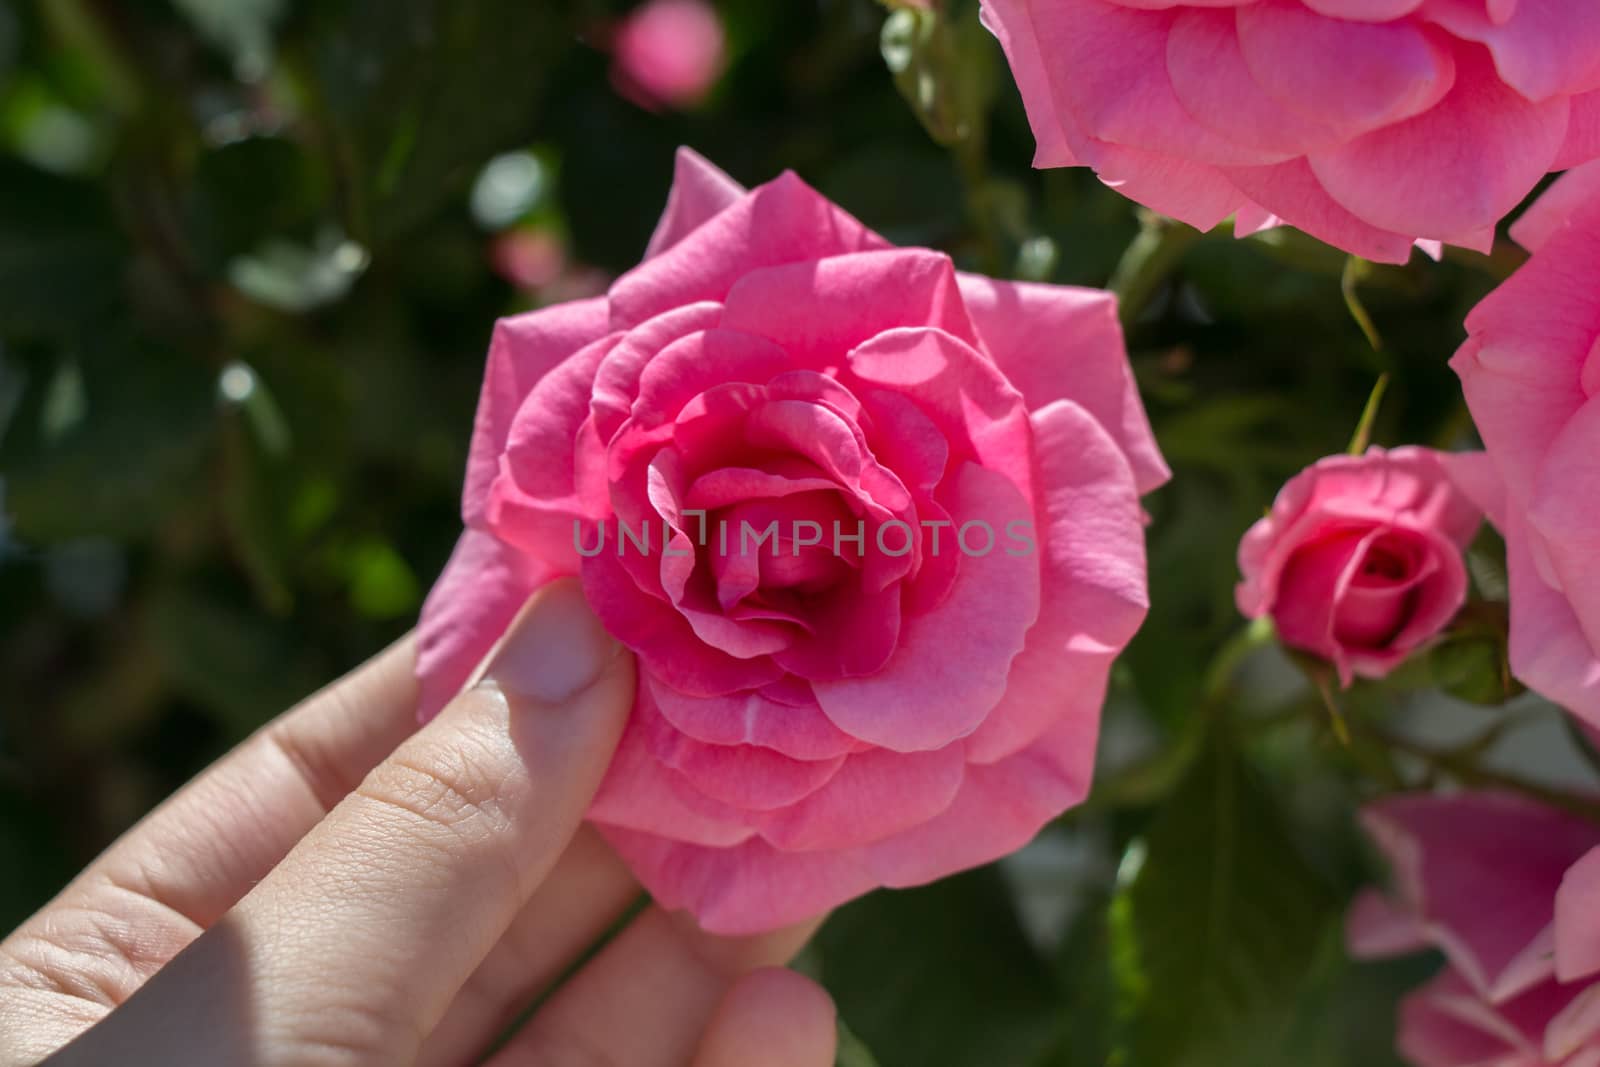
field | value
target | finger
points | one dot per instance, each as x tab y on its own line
584	896
645	999
190	860
352	947
772	1018
205	848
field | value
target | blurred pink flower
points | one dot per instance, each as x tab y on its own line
668	53
1509	891
528	259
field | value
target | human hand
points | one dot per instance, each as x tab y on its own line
341	889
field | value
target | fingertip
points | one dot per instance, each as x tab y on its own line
774	1017
556	648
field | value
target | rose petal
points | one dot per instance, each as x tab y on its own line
1444	1025
1292	192
783	221
1454	169
1522	370
1377	927
1011	23
966	396
616	382
1573	194
1582	144
1130	100
951	666
747	777
1480	871
1216	87
640	793
1347	76
480	591
1567	522
1093	596
1549	652
818	311
1000	807
662	638
747	889
799	731
1545	48
1577	928
1057	342
524	349
535	500
699	191
754	887
875	795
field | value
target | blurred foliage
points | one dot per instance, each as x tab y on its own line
250	255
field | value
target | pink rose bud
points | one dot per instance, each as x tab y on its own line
1530	369
871	526
668	53
1360	559
1366	123
1508	890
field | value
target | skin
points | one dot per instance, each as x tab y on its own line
344	889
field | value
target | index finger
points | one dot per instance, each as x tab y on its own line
188	862
351	949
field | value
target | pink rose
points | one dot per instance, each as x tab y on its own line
669	53
1509	891
819	716
1531	374
1359	561
1366	123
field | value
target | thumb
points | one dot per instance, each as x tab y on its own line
358	941
774	1017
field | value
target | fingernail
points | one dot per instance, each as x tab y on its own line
556	648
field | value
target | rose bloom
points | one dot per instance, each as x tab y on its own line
1359	560
1531	372
1509	891
668	53
1366	123
815	718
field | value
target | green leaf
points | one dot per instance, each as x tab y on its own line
422	92
853	1052
940	975
382	585
1088	994
286	187
1216	925
945	69
241	667
114	453
61	258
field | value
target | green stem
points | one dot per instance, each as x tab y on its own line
1233	653
1148	781
1369	415
1464	768
972	161
1355	271
1148	262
